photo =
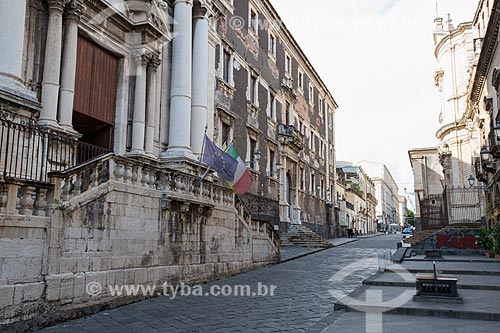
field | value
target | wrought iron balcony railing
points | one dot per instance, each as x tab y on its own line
291	135
29	152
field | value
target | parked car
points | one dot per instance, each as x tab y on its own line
407	231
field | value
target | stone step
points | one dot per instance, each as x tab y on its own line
302	236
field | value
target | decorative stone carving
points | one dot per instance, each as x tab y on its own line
4	196
495	80
74	10
41	202
26	201
56	5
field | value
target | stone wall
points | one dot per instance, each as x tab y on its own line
120	233
451	241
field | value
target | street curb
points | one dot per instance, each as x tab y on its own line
322	249
318	250
303	255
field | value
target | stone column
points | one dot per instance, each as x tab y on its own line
52	65
154	62
199	108
180	104
138	125
67	92
12	21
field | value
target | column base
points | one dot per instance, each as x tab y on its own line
16	88
70	130
136	152
178	152
50	123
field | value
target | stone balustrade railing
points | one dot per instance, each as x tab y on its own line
124	170
36	198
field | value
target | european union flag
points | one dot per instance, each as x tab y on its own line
218	160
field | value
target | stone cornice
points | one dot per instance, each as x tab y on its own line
487	52
290	40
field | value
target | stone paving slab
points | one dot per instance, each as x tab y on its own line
478	304
490	268
480	259
355	322
478	282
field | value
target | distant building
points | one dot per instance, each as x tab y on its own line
403	210
428	187
360	197
386	191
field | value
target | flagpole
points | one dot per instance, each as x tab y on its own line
203	144
201	156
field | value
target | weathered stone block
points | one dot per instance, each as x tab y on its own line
53	287
6	296
79	285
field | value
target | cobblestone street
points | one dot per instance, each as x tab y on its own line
301	298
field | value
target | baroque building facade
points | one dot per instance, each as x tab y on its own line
461	132
483	105
274	107
104	110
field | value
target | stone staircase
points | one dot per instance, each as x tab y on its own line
301	236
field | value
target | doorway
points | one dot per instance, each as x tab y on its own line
95	94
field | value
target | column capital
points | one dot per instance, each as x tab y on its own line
153	61
74	9
140	57
56	5
202	10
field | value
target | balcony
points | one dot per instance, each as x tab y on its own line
291	136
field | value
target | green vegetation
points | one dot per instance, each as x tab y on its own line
356	189
411	217
485	239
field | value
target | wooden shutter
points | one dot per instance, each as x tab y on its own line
96	82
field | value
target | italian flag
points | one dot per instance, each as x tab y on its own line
242	178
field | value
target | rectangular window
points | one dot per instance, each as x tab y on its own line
272	105
253	149
288	64
288	113
226	66
322	194
302	179
253	89
272	44
271	162
313	182
254	23
311	94
226	133
301	80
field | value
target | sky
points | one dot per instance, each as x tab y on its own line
377	59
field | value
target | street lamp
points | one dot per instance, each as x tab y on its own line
496	129
256	155
471	180
485	154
